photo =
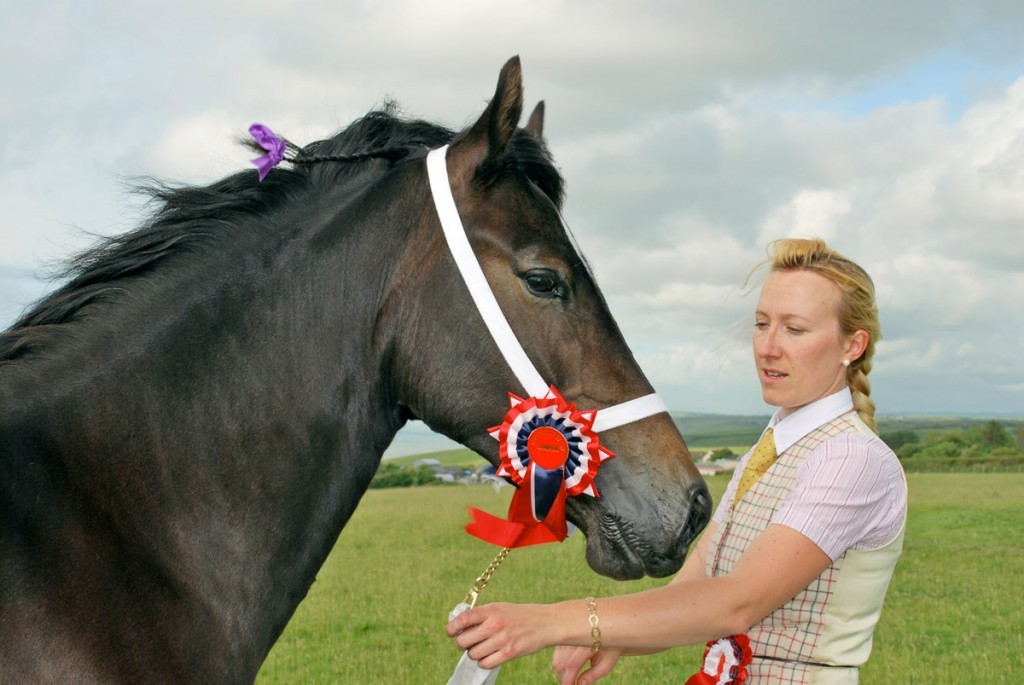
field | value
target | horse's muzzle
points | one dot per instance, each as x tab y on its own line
628	550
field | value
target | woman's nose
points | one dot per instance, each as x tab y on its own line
766	343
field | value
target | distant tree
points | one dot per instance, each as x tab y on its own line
423	475
945	448
392	476
898	438
994	434
396	476
955	436
908	450
983	445
722	453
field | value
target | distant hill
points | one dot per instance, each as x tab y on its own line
704	431
725	430
720	430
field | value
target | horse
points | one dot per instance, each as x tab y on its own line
189	420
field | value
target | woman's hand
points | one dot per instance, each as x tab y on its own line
568	661
496	633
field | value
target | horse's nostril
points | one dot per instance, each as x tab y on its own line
700	512
700	498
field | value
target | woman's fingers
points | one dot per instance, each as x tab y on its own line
484	634
467	618
568	661
600	666
494	633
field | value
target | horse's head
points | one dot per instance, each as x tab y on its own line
652	501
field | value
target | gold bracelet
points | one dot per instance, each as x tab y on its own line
595	630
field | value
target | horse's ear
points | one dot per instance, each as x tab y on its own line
489	136
535	125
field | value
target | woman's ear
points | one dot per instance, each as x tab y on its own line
856	344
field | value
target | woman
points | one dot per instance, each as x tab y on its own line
799	553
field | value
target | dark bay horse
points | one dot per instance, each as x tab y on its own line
188	422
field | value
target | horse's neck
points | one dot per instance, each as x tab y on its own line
222	448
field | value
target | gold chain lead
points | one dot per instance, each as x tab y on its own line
484	578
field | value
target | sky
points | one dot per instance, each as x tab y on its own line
690	134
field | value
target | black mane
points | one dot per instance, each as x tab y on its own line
188	217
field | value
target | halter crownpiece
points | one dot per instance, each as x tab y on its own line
547	447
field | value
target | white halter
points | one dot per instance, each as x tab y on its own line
497	324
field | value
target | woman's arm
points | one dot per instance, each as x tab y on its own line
779	564
568	661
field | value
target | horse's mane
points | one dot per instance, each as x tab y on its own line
187	217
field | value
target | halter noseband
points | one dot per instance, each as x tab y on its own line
513	352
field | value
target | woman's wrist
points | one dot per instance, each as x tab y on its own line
568	624
595	624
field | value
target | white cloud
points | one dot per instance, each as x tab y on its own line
811	213
689	135
198	147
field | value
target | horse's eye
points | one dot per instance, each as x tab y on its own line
543	283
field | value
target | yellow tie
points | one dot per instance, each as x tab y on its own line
764	456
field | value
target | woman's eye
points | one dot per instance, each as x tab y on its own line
544	284
760	325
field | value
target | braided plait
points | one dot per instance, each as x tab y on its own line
391	154
857	310
860	389
304	157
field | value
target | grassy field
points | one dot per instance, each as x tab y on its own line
954	613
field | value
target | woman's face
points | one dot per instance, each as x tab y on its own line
798	346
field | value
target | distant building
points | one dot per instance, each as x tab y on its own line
713	468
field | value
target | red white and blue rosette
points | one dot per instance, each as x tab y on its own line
725	662
549	450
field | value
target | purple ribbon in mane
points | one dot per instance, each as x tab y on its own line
274	146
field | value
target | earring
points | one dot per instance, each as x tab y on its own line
846	362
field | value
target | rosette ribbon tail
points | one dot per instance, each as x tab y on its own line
725	662
517	531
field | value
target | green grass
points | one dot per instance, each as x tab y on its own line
376	614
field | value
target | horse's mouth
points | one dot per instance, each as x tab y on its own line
627	547
618	552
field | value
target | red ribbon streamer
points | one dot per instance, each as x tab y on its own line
520	530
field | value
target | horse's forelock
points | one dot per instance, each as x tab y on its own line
526	156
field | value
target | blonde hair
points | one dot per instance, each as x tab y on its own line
857	309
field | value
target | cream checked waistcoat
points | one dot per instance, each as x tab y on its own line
823	634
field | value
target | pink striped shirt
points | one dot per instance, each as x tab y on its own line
849	492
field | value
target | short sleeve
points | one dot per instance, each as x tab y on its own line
849	493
